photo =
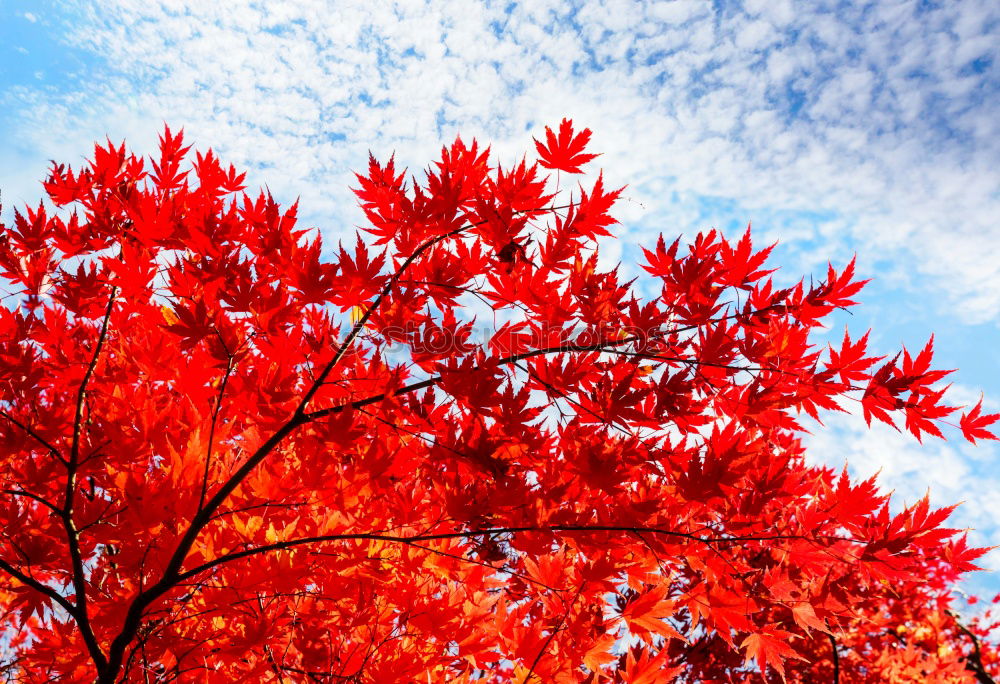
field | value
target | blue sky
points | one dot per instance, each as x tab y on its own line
836	127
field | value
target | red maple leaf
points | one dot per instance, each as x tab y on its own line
974	425
565	153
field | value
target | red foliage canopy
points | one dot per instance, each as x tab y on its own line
208	474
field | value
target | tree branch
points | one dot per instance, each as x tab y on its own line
34	435
30	581
356	330
555	630
40	499
836	659
497	531
497	568
72	534
211	429
974	661
606	346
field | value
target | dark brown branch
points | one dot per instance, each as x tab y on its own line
267	649
30	581
497	531
34	435
72	534
605	346
836	659
430	382
974	661
171	573
553	390
496	568
692	362
603	419
428	440
269	504
40	499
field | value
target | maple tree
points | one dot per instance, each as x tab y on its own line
225	458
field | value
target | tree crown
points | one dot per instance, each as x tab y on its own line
226	458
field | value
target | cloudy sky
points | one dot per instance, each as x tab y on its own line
835	127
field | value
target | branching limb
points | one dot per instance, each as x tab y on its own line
35	497
974	661
30	581
497	568
172	571
607	346
360	324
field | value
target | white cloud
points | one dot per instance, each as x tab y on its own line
778	12
869	113
756	35
678	12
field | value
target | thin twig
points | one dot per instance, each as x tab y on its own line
34	435
211	429
40	499
497	531
555	630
